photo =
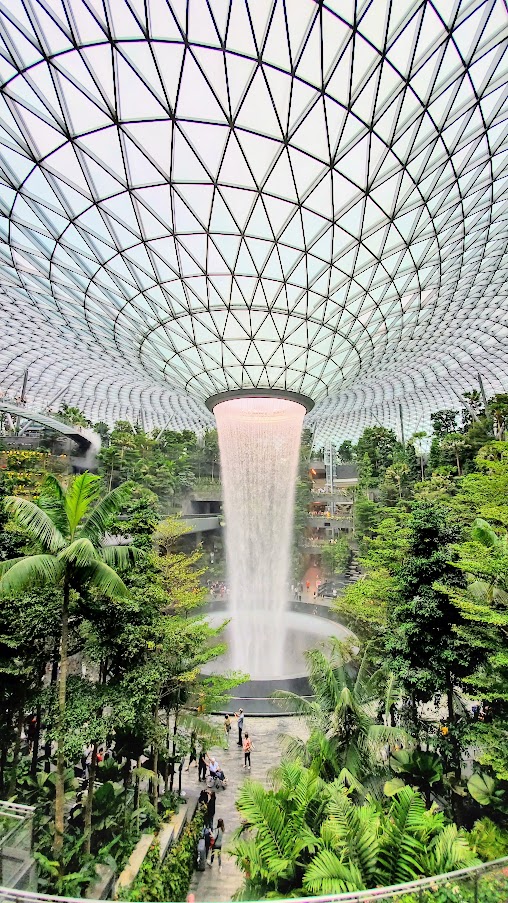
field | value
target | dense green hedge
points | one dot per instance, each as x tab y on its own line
169	880
491	889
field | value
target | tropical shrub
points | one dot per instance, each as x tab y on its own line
169	880
363	846
308	836
417	768
345	741
488	840
279	829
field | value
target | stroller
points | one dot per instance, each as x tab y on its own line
217	780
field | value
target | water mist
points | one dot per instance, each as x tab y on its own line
259	440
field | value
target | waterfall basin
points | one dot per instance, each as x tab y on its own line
303	631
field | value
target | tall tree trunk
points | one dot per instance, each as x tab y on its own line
155	782
89	800
135	802
458	463
173	751
455	763
37	737
3	763
166	765
52	682
127	783
17	746
414	719
60	757
421	468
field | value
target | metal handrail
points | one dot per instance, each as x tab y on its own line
16	810
474	872
17	813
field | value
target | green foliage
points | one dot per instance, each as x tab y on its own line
417	768
140	516
335	555
69	883
169	880
280	828
484	606
490	889
346	452
498	410
387	547
310	837
365	602
423	648
303	498
366	516
363	846
444	422
483	789
344	741
72	415
488	840
160	462
375	452
67	524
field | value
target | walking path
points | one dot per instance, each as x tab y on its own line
212	886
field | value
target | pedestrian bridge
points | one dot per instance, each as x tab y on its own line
65	429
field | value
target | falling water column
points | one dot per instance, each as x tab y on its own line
259	440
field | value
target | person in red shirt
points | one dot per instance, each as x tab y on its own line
247	746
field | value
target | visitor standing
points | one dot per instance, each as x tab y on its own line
193	754
202	766
239	721
210	809
217	843
247	746
227	729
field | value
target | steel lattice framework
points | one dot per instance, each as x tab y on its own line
214	194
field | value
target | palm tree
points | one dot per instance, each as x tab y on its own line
416	441
396	473
455	443
69	526
344	740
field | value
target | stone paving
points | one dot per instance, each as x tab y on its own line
212	886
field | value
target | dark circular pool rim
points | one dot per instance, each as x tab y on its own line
254	696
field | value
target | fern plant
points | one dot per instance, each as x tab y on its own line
308	837
363	846
280	826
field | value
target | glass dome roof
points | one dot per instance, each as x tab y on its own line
210	195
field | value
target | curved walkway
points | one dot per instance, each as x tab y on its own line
211	885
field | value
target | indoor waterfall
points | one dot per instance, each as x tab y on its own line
259	440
